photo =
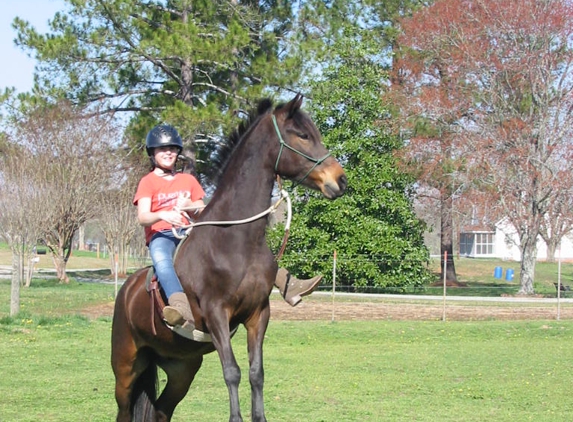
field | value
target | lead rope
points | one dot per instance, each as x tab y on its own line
287	225
283	195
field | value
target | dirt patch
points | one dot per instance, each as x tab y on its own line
311	310
365	311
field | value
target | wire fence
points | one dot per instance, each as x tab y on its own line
492	284
488	292
338	306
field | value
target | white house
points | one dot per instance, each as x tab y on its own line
503	243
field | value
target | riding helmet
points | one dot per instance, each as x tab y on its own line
162	136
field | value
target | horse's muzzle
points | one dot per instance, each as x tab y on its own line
332	189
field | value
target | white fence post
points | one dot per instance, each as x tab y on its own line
444	299
333	283
559	285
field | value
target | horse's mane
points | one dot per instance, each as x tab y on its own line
222	155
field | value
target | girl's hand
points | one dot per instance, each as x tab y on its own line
172	217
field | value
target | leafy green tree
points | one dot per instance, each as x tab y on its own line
194	64
199	64
373	228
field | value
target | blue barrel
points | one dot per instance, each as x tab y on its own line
509	274
497	272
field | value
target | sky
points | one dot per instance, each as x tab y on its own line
18	69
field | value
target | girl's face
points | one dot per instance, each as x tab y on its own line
166	157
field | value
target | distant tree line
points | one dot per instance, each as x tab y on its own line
417	110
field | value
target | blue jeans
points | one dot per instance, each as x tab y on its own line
161	248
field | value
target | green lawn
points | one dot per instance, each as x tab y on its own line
49	298
55	367
78	260
478	276
315	371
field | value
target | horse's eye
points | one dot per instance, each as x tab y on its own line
302	135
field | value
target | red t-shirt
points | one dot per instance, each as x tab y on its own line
164	193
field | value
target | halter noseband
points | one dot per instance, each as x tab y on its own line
283	144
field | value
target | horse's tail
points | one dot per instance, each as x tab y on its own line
144	394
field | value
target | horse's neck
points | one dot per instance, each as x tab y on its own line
246	186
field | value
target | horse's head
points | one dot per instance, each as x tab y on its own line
302	156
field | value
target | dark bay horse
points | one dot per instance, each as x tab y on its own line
227	271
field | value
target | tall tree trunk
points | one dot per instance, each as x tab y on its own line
124	258
446	239
82	238
60	266
112	248
15	285
186	87
551	248
528	259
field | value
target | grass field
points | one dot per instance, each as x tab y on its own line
78	260
55	367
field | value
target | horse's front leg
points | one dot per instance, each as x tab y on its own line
231	371
256	329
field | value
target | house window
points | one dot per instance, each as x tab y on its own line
476	244
484	244
466	244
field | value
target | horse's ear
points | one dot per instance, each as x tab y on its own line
294	105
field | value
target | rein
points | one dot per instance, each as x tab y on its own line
283	144
284	195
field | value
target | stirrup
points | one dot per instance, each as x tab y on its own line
195	335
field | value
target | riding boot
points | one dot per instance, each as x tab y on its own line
293	289
178	312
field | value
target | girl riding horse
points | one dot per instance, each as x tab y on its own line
160	196
226	271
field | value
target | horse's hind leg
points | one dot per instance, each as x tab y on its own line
128	365
125	377
180	375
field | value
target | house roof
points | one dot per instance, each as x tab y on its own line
477	228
